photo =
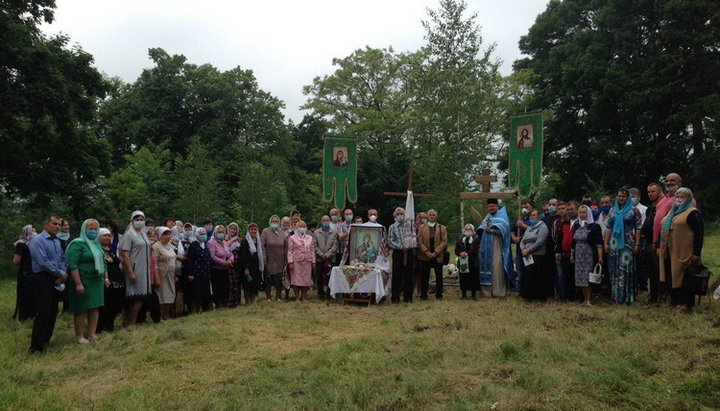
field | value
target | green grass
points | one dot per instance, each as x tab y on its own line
435	355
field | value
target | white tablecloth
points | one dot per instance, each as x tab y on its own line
371	282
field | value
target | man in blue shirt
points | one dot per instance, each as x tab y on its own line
49	268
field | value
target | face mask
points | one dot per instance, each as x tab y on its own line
209	230
202	237
63	236
301	230
349	218
679	202
334	218
274	226
91	234
524	211
187	234
634	200
533	221
573	215
373	218
605	209
138	224
220	236
399	218
595	214
468	233
423	220
552	209
326	225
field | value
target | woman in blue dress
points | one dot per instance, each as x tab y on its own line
622	244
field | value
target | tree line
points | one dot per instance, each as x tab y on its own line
630	90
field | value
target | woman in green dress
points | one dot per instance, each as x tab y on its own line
88	273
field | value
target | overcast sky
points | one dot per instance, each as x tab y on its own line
286	43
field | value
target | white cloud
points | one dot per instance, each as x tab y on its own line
285	43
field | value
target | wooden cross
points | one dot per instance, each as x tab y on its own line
486	180
409	188
398	194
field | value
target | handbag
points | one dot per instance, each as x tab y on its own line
596	274
285	279
697	278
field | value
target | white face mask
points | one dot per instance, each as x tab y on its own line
301	231
468	233
138	224
373	218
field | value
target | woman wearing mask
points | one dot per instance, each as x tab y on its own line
199	261
533	250
466	248
25	300
252	263
181	286
587	249
222	259
682	239
301	258
622	244
165	261
274	244
88	274
114	285
232	244
136	256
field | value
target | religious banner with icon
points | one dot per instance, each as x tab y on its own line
526	151
340	170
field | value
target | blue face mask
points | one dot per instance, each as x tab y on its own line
326	224
573	215
91	234
334	218
63	236
596	214
423	220
634	201
552	209
202	237
220	236
348	218
209	230
187	234
605	209
533	221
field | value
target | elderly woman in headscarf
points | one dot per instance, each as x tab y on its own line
682	240
198	273
252	263
466	248
301	258
587	250
181	285
222	259
622	243
88	273
274	243
165	262
136	260
232	244
114	284
532	247
25	300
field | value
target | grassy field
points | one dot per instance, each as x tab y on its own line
501	354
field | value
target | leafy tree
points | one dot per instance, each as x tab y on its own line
48	94
632	86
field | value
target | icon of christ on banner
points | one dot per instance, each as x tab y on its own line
525	136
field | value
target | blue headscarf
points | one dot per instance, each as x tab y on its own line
500	221
617	238
667	223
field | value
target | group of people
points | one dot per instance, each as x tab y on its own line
178	268
629	243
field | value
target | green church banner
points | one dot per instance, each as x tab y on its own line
526	150
340	170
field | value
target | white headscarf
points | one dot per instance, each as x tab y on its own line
589	220
27	234
254	248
